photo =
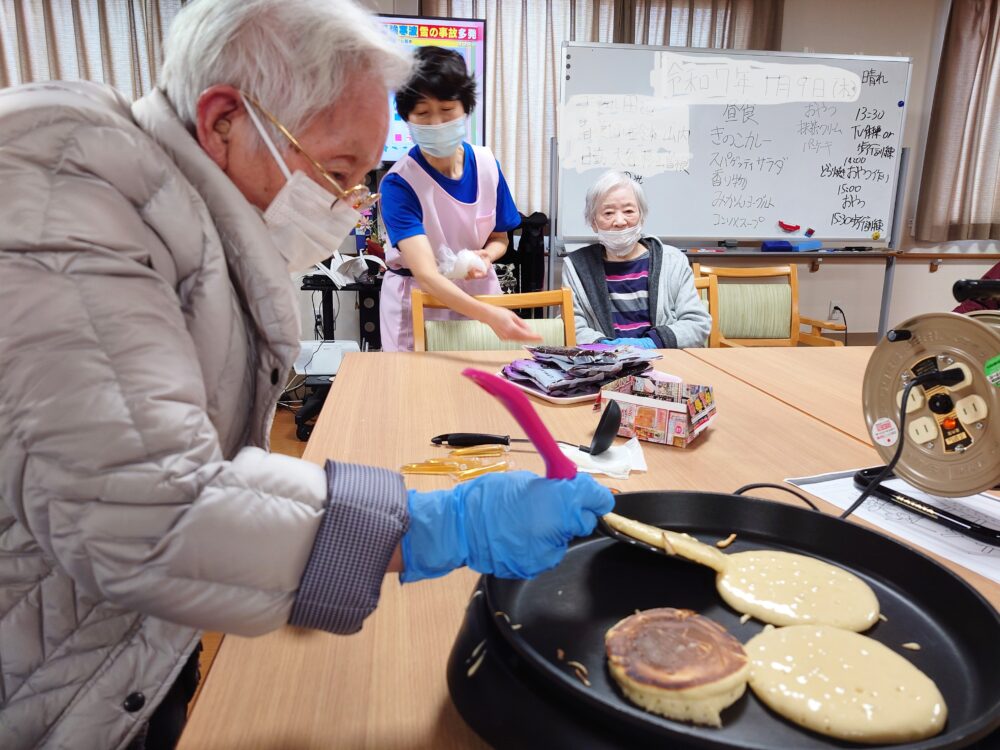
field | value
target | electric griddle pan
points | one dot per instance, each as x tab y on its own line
522	695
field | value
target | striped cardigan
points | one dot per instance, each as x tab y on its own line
676	311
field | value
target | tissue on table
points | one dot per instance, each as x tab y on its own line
617	461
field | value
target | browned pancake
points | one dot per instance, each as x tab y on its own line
678	664
674	649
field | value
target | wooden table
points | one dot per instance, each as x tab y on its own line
824	382
385	687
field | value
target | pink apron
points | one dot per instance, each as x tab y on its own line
449	223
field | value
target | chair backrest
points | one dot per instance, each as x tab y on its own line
708	290
756	306
471	335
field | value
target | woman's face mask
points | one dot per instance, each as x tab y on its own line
619	221
306	222
619	242
439	140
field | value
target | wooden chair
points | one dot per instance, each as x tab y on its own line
471	335
760	307
708	290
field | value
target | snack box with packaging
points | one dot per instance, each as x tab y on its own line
661	408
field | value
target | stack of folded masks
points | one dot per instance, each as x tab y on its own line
577	370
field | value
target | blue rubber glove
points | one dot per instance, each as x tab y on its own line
643	343
513	525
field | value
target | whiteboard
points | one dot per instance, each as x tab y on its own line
728	144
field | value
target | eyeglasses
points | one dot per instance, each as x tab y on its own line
358	196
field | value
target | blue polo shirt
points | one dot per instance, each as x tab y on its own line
404	217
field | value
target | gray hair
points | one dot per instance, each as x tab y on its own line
603	185
294	56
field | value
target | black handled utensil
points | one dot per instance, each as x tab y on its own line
467	439
962	525
604	435
609	531
607	428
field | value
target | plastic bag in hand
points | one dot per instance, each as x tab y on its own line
457	265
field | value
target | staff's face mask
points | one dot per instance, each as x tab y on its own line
619	242
439	140
307	223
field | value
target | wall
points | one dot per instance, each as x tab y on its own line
915	29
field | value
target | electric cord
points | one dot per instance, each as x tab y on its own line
789	490
930	378
291	396
947	377
336	313
843	315
317	333
292	385
317	329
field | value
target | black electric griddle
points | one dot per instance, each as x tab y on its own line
521	695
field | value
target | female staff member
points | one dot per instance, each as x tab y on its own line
446	208
627	288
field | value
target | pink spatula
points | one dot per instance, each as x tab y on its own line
557	466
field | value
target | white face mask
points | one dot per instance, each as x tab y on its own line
439	140
302	224
619	242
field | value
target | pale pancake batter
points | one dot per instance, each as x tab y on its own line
781	588
788	589
844	685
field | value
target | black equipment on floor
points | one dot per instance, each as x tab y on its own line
368	307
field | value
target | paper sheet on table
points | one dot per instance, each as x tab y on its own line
838	488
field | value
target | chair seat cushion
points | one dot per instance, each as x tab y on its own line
755	311
471	335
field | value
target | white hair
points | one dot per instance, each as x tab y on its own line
293	56
603	185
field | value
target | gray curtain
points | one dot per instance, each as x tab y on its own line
524	39
960	185
118	42
722	24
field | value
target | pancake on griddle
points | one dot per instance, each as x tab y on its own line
844	685
678	664
781	588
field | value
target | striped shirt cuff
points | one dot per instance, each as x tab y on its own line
364	522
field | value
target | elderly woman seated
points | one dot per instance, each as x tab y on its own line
627	288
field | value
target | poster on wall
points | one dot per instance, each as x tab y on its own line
467	36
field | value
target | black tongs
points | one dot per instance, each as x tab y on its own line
962	525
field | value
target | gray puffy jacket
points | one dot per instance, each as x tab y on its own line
146	328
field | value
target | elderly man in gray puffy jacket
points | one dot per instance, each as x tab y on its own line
146	326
